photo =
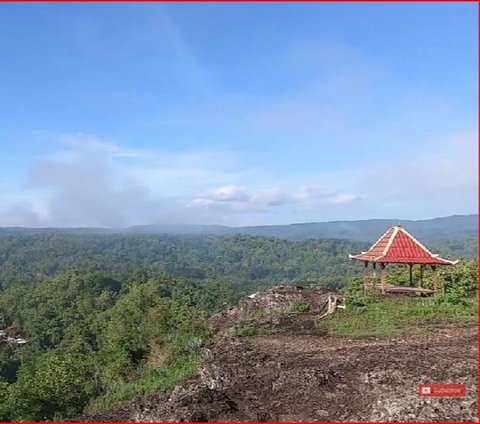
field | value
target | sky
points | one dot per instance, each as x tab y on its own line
236	114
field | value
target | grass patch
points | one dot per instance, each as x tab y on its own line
153	380
259	314
299	307
244	331
388	315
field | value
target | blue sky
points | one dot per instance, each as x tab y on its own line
237	114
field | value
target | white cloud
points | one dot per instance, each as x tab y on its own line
237	200
273	197
344	198
229	193
89	182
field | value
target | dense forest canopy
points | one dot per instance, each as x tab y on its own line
245	261
88	339
242	260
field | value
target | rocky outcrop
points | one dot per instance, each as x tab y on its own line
296	307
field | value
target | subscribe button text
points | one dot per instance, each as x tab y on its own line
448	390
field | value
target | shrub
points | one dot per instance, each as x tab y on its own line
244	331
460	280
300	307
194	345
354	296
60	386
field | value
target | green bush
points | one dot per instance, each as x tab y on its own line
354	296
151	381
300	307
193	345
245	331
58	386
5	404
460	280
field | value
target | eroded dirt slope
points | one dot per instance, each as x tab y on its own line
309	378
319	378
302	374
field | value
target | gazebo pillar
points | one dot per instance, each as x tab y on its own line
435	278
374	276
383	276
422	268
365	277
410	274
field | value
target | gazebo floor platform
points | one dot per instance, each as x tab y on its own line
391	288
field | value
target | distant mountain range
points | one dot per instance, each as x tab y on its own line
430	230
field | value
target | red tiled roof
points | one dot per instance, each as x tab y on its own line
398	246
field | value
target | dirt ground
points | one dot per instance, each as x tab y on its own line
316	377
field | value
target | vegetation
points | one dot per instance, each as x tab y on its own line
299	307
244	331
396	314
384	315
90	345
430	231
152	381
245	261
108	317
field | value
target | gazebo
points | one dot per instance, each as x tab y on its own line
398	246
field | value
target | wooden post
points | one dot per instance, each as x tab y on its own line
435	278
422	267
383	276
410	273
374	276
365	277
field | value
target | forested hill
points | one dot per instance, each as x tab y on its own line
241	260
430	230
244	261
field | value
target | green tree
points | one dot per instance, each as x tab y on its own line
59	385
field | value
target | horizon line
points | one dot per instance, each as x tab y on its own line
396	220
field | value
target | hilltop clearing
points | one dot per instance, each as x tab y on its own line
293	377
287	365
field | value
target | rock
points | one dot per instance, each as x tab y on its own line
321	413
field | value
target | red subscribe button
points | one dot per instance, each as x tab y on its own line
450	390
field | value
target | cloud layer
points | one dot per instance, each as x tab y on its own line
89	182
